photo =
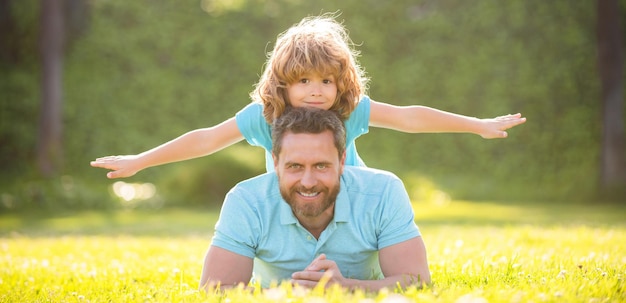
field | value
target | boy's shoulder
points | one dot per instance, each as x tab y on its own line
253	108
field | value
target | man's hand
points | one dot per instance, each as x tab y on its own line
321	269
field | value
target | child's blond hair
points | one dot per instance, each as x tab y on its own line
315	45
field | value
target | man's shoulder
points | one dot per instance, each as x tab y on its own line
364	172
358	176
259	186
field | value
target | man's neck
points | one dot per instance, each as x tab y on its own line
316	225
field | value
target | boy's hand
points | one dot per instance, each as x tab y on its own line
121	166
496	127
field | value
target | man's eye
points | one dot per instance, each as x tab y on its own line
321	166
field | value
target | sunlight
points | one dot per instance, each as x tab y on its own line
423	189
220	6
133	191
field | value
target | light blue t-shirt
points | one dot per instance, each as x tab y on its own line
257	131
372	211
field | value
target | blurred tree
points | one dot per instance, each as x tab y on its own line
610	64
51	37
146	71
8	50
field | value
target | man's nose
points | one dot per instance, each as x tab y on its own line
308	179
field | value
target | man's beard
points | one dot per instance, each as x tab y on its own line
304	209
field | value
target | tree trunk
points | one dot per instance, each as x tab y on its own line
49	149
610	64
8	50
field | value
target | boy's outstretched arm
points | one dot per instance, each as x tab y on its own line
422	119
194	144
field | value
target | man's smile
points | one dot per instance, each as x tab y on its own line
308	194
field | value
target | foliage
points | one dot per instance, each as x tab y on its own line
144	72
56	194
207	186
478	252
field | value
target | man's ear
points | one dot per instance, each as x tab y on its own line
275	159
342	162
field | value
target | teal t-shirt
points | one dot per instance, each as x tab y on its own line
257	131
372	211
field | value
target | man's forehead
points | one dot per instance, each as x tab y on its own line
303	144
291	137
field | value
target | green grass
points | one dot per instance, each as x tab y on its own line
478	252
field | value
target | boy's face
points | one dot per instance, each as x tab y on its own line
313	90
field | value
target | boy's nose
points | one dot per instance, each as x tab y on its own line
316	90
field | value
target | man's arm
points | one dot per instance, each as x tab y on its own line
404	263
225	269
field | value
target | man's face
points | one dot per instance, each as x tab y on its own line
308	169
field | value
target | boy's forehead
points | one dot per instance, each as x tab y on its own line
316	73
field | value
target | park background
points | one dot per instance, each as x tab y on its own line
522	219
136	74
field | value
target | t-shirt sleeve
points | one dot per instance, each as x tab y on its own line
357	125
238	225
396	217
358	122
253	126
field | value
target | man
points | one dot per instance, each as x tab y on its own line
313	217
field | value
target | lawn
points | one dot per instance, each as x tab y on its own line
478	252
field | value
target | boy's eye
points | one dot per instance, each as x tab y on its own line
304	80
328	81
